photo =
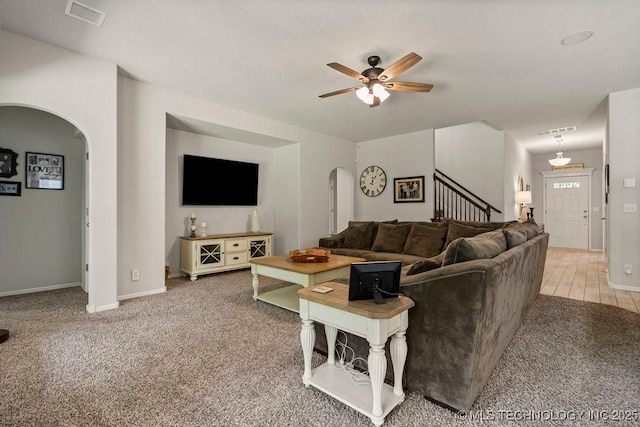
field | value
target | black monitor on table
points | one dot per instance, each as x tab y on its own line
374	280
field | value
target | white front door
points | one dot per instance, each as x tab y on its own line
567	205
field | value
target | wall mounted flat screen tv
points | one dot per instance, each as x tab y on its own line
217	182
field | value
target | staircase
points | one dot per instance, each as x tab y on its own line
452	200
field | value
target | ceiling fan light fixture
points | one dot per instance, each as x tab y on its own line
380	92
559	160
365	95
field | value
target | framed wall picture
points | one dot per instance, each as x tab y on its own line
408	190
44	171
9	188
8	163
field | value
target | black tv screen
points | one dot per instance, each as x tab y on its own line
217	182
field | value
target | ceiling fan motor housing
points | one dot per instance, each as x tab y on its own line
373	72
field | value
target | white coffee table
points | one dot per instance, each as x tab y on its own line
376	323
302	274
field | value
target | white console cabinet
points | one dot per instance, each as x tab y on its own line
222	252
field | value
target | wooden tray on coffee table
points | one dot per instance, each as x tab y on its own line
309	255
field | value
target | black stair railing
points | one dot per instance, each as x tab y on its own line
452	200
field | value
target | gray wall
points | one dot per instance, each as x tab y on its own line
591	159
41	231
400	156
623	154
219	219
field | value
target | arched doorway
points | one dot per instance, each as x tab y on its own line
47	236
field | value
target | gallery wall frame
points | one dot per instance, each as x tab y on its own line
10	188
408	190
44	171
8	163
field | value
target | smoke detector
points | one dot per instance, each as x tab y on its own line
85	13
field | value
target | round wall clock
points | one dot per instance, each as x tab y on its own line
373	181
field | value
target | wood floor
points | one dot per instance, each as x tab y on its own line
581	275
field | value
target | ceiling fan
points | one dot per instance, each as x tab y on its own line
376	80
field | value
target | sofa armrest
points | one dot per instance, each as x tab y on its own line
331	242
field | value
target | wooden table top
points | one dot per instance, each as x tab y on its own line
284	262
339	298
228	235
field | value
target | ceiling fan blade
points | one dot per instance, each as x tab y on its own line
400	66
376	102
348	71
339	92
409	86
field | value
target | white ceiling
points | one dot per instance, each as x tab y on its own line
493	60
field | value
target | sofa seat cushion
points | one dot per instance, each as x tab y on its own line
350	252
391	237
457	230
482	246
425	240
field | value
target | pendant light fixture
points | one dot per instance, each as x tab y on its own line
559	160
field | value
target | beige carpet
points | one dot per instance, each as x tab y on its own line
206	354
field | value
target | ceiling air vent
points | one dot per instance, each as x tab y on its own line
559	130
85	13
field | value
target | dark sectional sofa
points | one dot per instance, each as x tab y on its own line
473	284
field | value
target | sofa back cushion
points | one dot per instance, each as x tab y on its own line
457	230
358	235
391	238
425	240
482	246
530	228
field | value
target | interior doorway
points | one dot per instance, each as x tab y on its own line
51	207
567	207
341	199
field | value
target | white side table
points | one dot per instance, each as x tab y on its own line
366	319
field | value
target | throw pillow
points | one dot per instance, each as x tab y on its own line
358	235
391	238
457	230
425	240
482	246
422	266
514	237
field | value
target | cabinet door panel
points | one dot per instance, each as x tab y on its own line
259	248
209	254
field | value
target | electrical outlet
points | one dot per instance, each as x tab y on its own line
628	269
630	207
135	274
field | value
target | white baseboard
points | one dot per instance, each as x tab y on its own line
95	309
39	289
143	294
624	287
621	287
176	275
